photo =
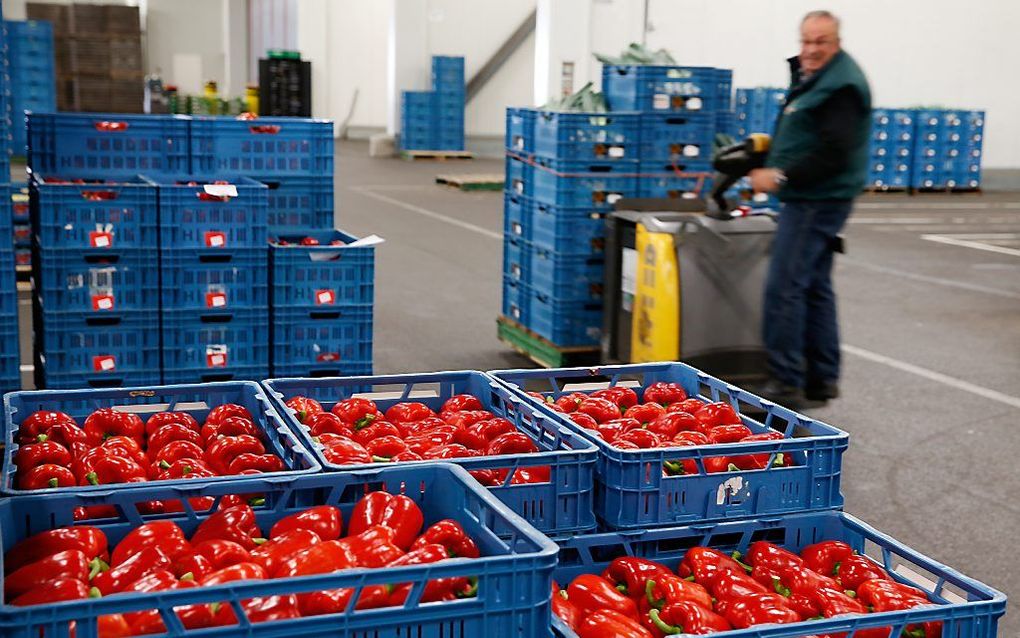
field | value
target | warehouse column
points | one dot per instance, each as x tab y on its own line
235	48
563	60
408	60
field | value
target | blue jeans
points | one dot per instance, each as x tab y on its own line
800	329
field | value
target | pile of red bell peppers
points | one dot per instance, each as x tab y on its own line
666	418
354	431
712	592
384	530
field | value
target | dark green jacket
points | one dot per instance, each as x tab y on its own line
797	137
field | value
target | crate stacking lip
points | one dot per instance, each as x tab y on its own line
520	129
197	400
517	216
663	88
596	137
110	144
298	202
96	349
264	146
98	283
213	347
336	339
519	175
631	489
214	282
965	607
563	505
513	573
583	183
216	213
323	276
516	300
94	213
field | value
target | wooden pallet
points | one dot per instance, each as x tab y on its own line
436	155
953	191
473	181
542	351
886	189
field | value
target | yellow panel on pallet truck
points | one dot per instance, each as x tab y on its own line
655	334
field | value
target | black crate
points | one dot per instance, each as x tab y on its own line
285	87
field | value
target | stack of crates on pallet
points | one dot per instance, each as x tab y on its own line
892	148
22	225
5	108
32	74
96	272
293	157
947	154
215	284
322	294
434	120
10	360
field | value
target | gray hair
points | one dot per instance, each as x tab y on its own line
828	15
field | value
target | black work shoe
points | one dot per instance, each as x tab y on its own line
822	391
788	396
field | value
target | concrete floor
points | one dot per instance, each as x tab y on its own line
931	387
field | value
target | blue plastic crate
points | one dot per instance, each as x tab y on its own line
516	300
22	235
299	202
418	101
446	142
520	176
113	145
566	277
563	505
411	141
686	137
633	491
586	137
336	339
520	129
966	608
85	350
195	212
7	204
662	181
321	277
97	284
662	88
569	231
214	285
99	214
265	146
215	348
10	353
595	184
513	573
516	259
196	400
517	215
565	323
724	84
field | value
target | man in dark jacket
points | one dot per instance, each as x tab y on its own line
817	165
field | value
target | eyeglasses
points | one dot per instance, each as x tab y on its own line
820	42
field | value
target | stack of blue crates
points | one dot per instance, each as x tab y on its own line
891	148
32	74
757	110
434	120
10	360
5	107
948	148
22	220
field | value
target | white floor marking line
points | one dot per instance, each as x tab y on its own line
937	205
894	220
939	281
947	239
931	375
428	213
980	236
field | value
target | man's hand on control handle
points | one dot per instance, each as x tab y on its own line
766	180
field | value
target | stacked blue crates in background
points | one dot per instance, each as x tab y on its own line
948	148
10	359
32	74
757	110
22	224
893	133
434	120
5	107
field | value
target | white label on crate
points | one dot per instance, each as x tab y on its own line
216	299
519	186
103	302
517	228
693	104
660	101
628	277
729	488
515	270
692	150
216	356
612	198
325	297
221	190
616	151
104	363
761	197
518	142
101	240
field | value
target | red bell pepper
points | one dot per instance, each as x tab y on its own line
854	570
511	443
168	433
470	438
492	428
687	617
760	461
240	571
149	621
177	450
450	535
449	451
801	580
43	453
623	397
564	609
335	601
346	452
569	403
197	616
259	610
834	602
225	449
195	564
526	475
584	420
233	524
70	563
630	573
357	412
591	593
107	422
664	393
117	578
89	540
706	564
227	410
644	439
156	422
730	433
325	520
465	418
406	455
646	413
180	469
125	447
758	609
433	438
769	561
54	591
46	476
888	595
327	422
461	402
424	426
373	547
822	557
229	426
667	589
282	546
731	585
221	553
113	469
259	462
167	536
805	605
38	422
690	406
321	558
671	424
111	626
95	511
304	407
375	430
714	414
606	623
395	511
600	409
408	412
66	433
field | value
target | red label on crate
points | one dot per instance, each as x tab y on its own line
22	232
100	240
325	297
102	302
215	239
21	211
216	357
23	258
216	299
104	363
328	356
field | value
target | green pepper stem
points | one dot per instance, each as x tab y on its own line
260	541
669	630
92	478
42	438
780	588
95	593
53	482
